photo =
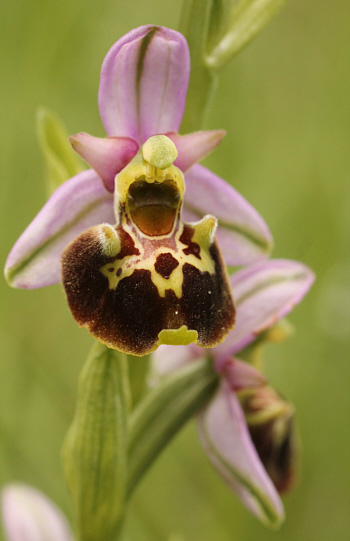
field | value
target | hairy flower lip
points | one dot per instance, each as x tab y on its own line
153	279
271	424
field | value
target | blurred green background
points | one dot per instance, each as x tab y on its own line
284	102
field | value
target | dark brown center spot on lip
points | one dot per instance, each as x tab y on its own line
111	269
192	247
165	264
128	247
119	271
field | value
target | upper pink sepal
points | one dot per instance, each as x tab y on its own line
143	84
240	374
108	155
193	147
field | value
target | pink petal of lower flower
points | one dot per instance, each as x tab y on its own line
29	516
226	439
193	147
108	156
242	234
79	203
241	375
264	293
144	80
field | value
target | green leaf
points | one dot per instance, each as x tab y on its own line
60	159
247	20
95	449
216	30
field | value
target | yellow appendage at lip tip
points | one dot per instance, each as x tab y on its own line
177	337
109	240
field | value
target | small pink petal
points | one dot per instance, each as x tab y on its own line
226	439
143	85
242	233
193	147
240	374
264	293
29	516
79	203
108	156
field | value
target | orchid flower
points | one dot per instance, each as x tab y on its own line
246	428
136	182
29	515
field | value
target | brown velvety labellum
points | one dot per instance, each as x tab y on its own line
278	454
152	279
128	310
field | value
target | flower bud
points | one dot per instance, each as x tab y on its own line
271	424
29	515
94	452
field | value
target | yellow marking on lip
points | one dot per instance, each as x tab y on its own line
204	231
177	337
174	282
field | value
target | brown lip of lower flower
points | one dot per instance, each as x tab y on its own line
271	425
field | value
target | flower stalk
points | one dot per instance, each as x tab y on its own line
194	24
163	411
247	19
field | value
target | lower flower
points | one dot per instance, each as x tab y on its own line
247	429
271	424
29	515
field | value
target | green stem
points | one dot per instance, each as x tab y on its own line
138	368
194	23
216	30
248	18
163	412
